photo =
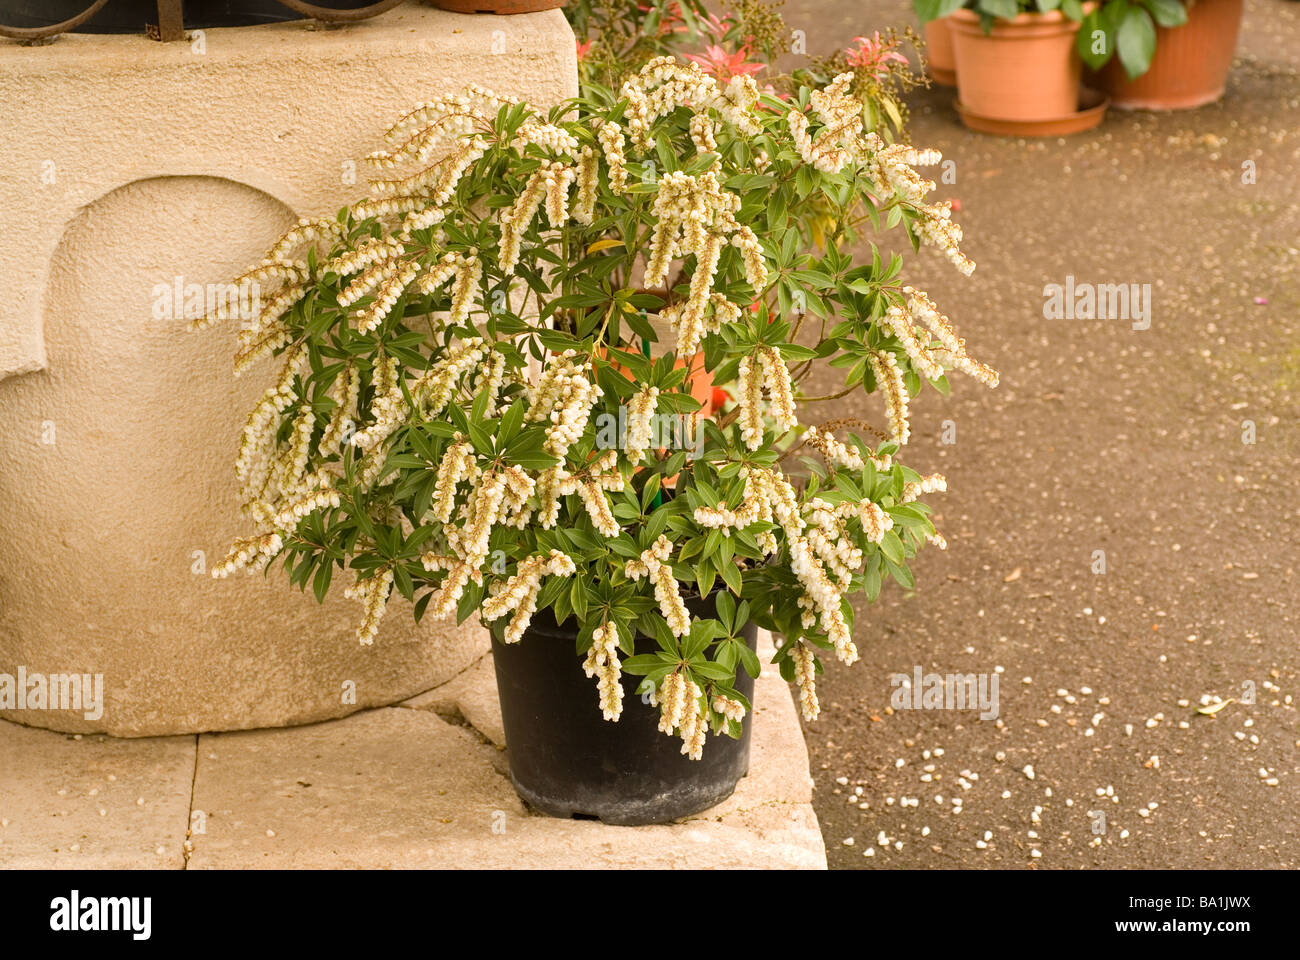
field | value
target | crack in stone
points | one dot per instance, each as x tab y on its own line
186	850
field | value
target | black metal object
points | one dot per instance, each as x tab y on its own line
33	20
567	761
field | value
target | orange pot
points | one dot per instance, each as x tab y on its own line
939	56
1190	66
1025	69
698	380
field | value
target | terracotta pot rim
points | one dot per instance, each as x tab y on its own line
965	19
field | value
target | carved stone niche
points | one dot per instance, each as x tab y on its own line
130	166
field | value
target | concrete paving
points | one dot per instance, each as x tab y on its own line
420	785
1101	437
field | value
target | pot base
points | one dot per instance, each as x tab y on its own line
1165	103
945	78
630	812
1092	108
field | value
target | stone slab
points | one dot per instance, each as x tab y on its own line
405	788
422	785
92	802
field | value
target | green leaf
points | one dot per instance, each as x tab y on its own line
1167	13
1136	42
321	582
710	671
1004	9
643	664
749	660
892	547
726	610
730	576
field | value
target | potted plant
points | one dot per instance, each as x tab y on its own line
940	60
1016	60
1161	54
462	414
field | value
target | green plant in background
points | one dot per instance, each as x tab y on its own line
747	39
617	37
464	415
1127	29
992	10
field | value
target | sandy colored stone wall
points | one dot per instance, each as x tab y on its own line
131	166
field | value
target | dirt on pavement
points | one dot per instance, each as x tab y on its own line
1100	437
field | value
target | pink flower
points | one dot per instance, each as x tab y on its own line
671	21
873	55
717	28
723	65
582	50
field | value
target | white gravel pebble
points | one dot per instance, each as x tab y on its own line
1029	771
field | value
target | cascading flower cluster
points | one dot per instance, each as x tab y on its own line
453	347
841	141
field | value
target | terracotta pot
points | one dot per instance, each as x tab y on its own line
938	43
497	6
1190	66
1025	69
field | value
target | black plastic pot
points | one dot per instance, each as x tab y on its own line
130	16
566	760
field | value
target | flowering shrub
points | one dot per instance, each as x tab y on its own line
617	37
453	350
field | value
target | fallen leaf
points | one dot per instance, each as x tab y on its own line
1214	708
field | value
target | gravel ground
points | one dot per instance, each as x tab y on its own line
1100	437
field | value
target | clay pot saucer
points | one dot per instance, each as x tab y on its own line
1092	107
